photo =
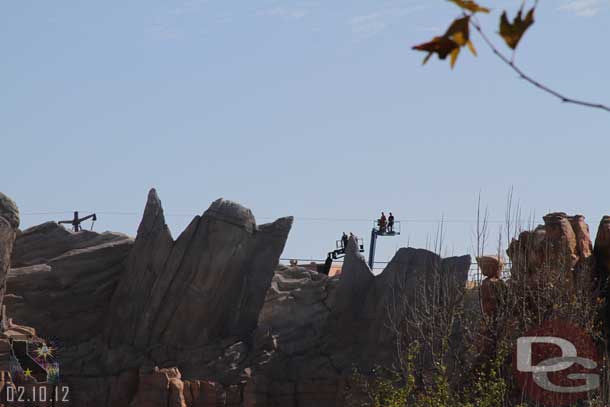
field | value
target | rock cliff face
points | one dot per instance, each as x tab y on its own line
40	244
9	222
66	297
210	319
602	255
207	285
61	281
562	246
10	332
313	330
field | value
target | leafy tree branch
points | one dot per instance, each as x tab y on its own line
457	36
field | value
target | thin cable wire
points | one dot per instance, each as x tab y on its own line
296	218
43	213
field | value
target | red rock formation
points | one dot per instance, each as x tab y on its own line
204	393
583	237
562	246
492	286
165	387
160	388
561	241
491	293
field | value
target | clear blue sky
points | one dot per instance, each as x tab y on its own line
306	108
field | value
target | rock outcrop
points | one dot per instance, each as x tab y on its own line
602	255
210	319
601	272
9	222
492	285
62	281
492	295
584	246
207	286
561	246
348	303
126	310
17	351
340	323
39	244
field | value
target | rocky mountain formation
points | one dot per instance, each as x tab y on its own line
209	318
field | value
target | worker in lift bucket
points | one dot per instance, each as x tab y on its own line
391	223
344	240
382	223
328	264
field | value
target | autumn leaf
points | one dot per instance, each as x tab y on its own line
470	6
454	55
442	46
456	36
472	48
513	32
459	31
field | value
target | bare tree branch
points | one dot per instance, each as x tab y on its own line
523	75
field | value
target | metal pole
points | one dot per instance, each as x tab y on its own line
372	248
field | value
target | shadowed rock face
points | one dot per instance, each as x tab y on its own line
9	222
601	274
356	279
208	284
66	297
315	328
9	211
39	244
412	276
62	281
602	254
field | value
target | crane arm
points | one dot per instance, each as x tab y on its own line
88	217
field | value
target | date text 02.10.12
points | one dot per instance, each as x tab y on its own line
39	393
